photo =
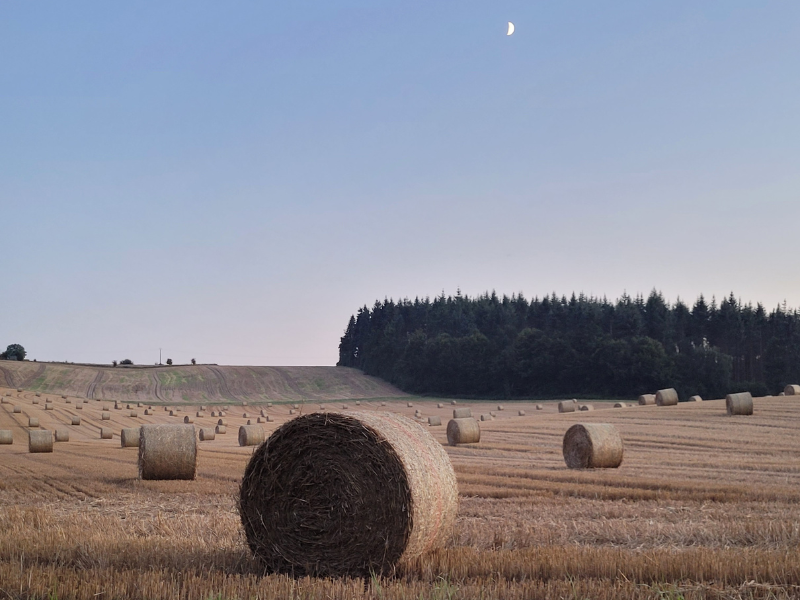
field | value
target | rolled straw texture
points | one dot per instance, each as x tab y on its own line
106	433
619	405
592	446
540	407
76	420
6	437
17	410
251	435
462	413
791	390
207	434
463	431
647	399
695	399
188	419
105	416
33	421
566	406
435	421
221	430
521	413
739	404
40	440
347	494
585	407
667	397
167	452
48	406
62	435
486	417
129	437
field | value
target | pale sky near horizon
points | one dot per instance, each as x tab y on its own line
231	181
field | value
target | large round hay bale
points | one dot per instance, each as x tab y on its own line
291	411
38	394
48	406
695	398
106	433
222	422
263	412
62	435
739	404
462	413
667	397
566	406
463	431
134	414
592	446
791	390
400	498
76	420
129	437
167	452
213	413
486	417
40	440
586	407
221	430
6	437
647	399
148	412
188	419
251	435
435	421
619	405
222	413
33	421
207	434
105	416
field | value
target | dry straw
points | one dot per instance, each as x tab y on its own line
260	420
33	422
500	407
486	417
167	452
40	440
106	433
6	437
251	435
207	434
263	412
791	390
521	413
62	435
592	446
620	405
221	429
76	420
79	407
566	406
129	437
105	416
133	414
200	414
48	406
35	401
667	397
739	404
462	413
586	407
463	431
435	421
188	419
385	486
695	399
540	407
17	410
148	412
440	405
222	422
647	399
245	416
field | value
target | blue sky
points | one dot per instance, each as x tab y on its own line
231	181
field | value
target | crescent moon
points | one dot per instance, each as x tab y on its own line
510	28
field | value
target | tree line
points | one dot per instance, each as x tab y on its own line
489	346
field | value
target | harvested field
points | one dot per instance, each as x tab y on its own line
680	518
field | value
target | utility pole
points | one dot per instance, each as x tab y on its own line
159	356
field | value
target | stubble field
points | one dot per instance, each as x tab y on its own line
703	506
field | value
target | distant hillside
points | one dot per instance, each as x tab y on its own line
195	384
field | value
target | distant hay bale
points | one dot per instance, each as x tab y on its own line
221	429
344	407
260	420
6	437
85	401
791	390
586	407
440	405
105	416
492	413
64	397
248	422
128	406
104	407
462	413
540	407
383	403
268	419
188	419
263	413
463	431
207	434
782	394
35	401
667	397
76	420
38	395
213	413
200	414
486	417
695	399
453	402
620	405
647	399
69	401
129	437
40	440
521	413
79	407
148	412
62	435
2	400
592	446
166	408
245	416
167	452
222	421
19	390
400	500
410	404
358	403
106	433
134	414
435	421
16	410
222	413
173	413
566	406
291	411
33	421
739	404
500	407
138	405
244	403
296	406
251	435
49	406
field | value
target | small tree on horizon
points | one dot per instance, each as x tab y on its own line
14	352
194	362
169	361
113	363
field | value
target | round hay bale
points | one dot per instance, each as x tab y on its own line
410	404
462	413
128	406
104	407
64	397
540	407
358	403
85	401
69	401
492	414
291	411
19	390
16	410
435	421
344	407
40	440
106	433
213	413
248	422
33	422
38	395
463	431
440	405
200	414
6	437
566	406
148	412
221	429
244	403
739	404
268	419
620	405
35	401
263	413
521	413
586	407
129	437
647	399
167	452
105	416
486	417
79	407
251	435
173	413
62	435
791	390
667	397
134	414
166	409
782	394
245	416
207	434
383	403
592	446
222	413
76	420
296	406
2	399
453	402
500	407
188	419
138	405
49	406
222	422
695	399
400	499
260	420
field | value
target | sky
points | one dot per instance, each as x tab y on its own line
231	181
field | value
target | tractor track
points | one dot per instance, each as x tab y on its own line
223	384
156	386
92	386
8	377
